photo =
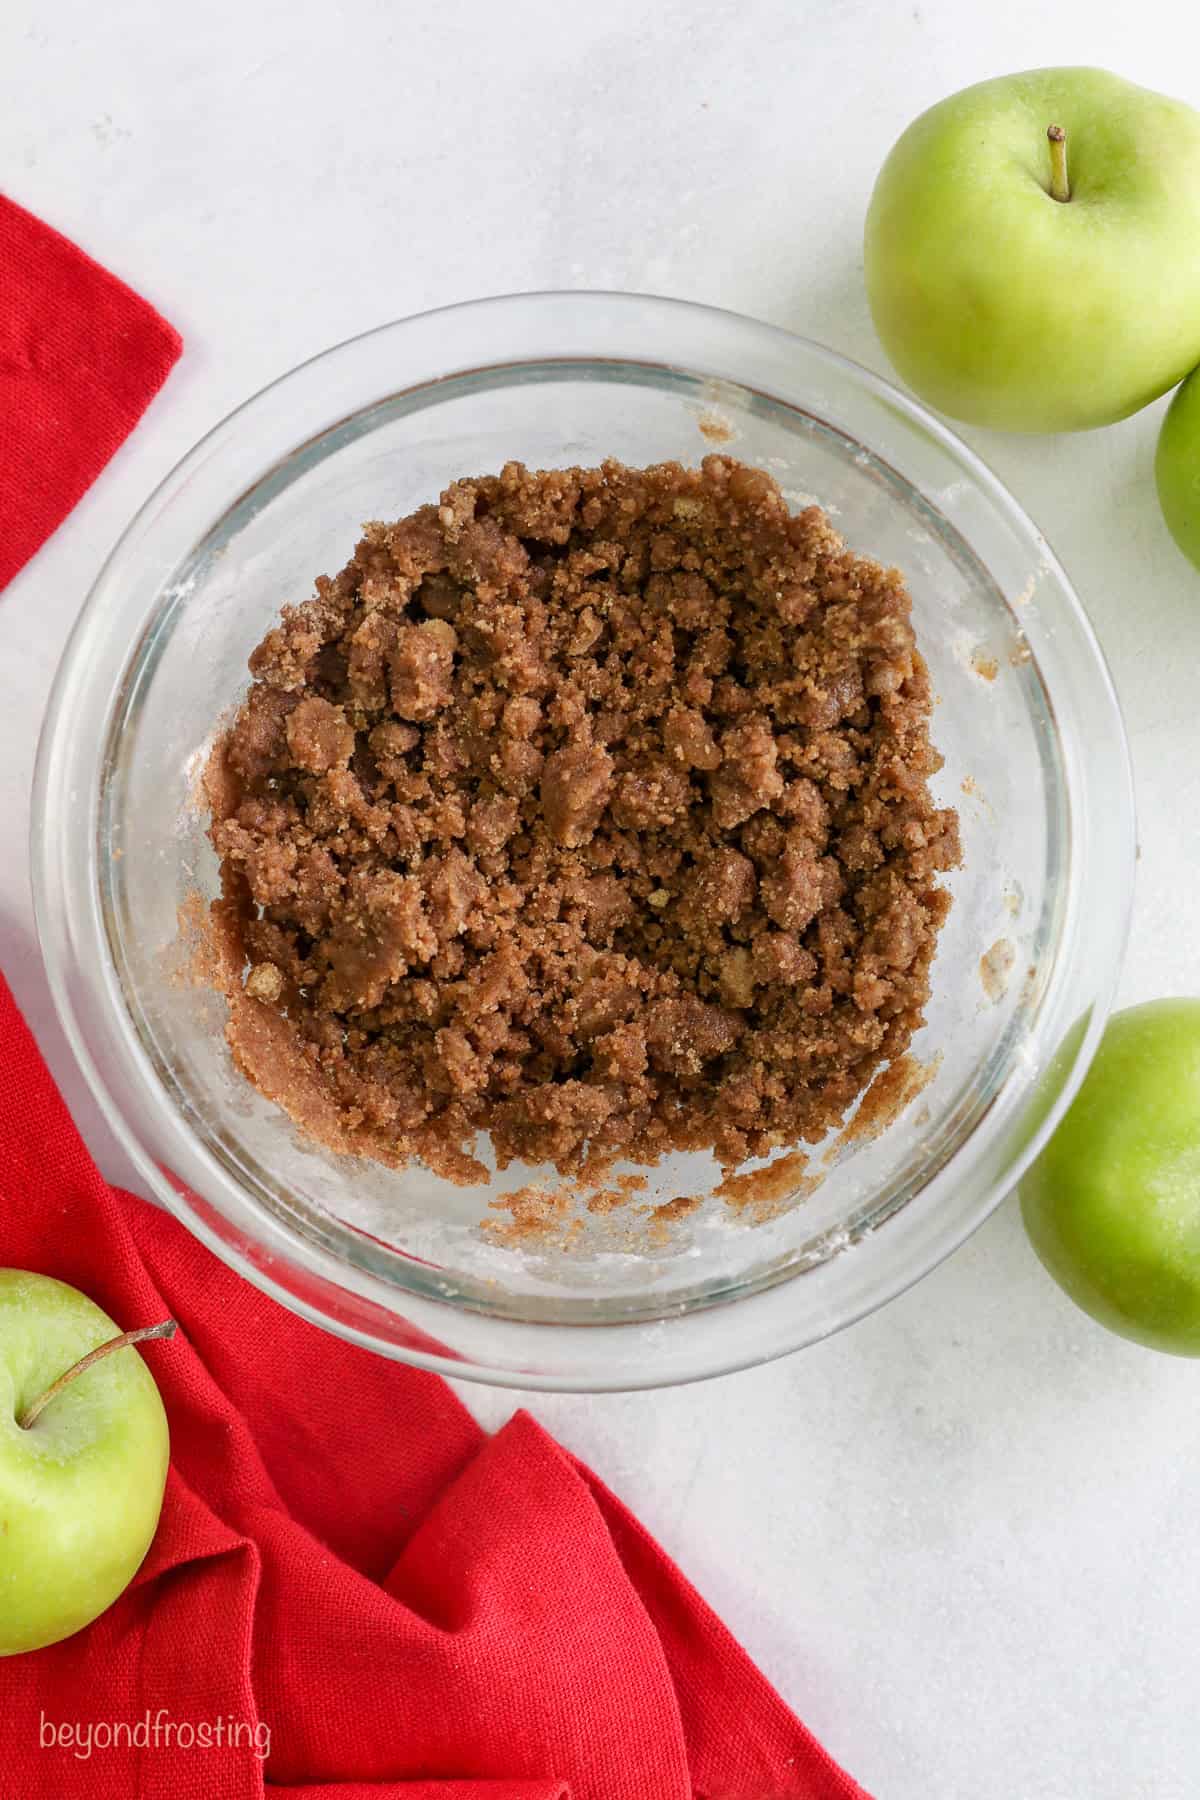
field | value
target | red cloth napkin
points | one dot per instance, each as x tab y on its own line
370	1596
352	1591
81	357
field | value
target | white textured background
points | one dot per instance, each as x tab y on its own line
964	1537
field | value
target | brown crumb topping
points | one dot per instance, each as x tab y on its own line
587	809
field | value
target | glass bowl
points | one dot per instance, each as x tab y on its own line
1025	716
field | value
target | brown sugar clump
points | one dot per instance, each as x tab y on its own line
587	809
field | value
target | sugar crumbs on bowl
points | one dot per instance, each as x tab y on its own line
587	809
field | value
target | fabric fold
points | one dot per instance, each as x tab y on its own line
352	1587
81	358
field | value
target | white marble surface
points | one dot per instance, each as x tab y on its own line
961	1537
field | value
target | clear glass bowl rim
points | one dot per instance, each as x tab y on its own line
308	1279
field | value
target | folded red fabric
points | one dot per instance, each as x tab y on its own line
353	1590
81	357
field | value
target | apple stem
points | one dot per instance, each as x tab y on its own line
167	1329
1060	187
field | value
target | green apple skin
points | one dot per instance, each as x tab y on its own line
1005	307
1177	468
1112	1205
81	1488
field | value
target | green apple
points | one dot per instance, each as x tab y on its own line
1177	467
1112	1205
83	1459
1039	285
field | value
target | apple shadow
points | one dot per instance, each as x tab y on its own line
830	306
